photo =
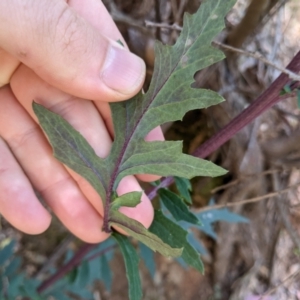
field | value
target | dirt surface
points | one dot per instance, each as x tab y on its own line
259	260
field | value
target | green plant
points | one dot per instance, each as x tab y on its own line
94	266
169	97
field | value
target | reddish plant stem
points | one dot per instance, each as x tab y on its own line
77	258
266	100
101	252
255	109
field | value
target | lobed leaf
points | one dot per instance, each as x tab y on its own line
169	97
71	148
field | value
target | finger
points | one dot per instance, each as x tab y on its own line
8	64
84	117
143	212
18	202
49	177
97	15
80	113
67	51
90	10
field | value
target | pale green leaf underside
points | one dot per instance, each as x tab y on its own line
138	231
131	260
72	149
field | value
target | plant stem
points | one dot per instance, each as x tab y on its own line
77	258
266	100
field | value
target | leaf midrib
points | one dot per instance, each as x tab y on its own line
125	145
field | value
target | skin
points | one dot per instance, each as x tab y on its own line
64	55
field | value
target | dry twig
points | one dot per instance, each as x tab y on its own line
247	201
258	56
271	291
255	55
241	179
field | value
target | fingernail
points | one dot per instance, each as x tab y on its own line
123	71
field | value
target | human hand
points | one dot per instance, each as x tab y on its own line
61	54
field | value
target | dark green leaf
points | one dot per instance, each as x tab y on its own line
106	274
298	98
132	266
7	252
147	256
82	278
175	236
14	286
184	187
138	231
73	275
13	266
131	199
28	289
177	207
94	267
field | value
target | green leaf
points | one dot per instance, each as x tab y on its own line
177	207
184	187
298	98
138	231
7	252
169	97
106	272
147	256
132	266
131	199
13	266
120	42
82	276
71	148
175	236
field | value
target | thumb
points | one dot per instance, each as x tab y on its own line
68	52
